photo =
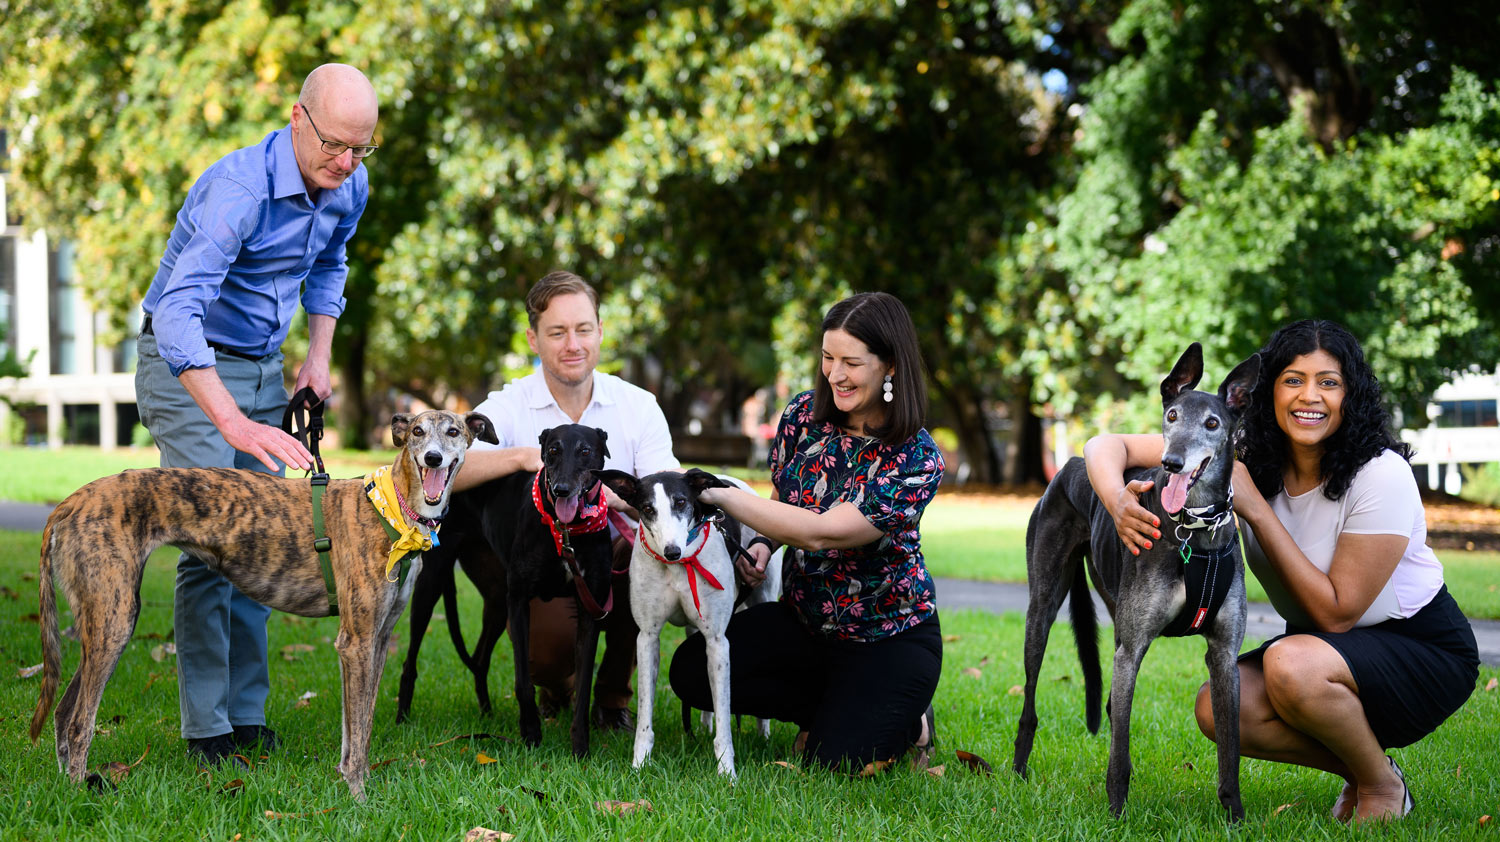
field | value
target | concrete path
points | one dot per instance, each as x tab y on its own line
995	597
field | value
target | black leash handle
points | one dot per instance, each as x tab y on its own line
306	409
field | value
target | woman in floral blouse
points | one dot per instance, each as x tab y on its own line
853	651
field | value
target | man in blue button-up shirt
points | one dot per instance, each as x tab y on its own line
262	229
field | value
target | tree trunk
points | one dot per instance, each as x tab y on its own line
1023	453
974	442
356	417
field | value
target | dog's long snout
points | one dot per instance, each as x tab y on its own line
672	552
432	458
1172	462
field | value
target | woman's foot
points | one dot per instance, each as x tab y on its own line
1343	806
926	743
1388	799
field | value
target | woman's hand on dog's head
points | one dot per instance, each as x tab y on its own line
1136	525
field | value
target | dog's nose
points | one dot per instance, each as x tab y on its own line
562	490
672	552
1172	462
432	458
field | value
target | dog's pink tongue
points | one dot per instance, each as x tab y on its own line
566	508
433	480
1174	496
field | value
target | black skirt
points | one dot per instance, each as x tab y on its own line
1412	674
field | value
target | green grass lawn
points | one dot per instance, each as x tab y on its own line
430	791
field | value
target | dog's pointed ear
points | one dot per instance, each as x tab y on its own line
400	426
625	486
1185	375
480	428
603	437
1236	389
698	480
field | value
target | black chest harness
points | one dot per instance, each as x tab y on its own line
1207	574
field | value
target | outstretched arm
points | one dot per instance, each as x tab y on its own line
839	527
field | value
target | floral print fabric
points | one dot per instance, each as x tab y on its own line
877	590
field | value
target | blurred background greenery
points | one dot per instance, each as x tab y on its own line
1064	193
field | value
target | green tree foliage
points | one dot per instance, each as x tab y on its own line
726	170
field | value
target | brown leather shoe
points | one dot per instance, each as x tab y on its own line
613	719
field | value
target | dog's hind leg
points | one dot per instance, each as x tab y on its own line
484	650
79	712
435	581
1052	562
648	662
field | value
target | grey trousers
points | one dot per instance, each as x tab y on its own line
222	674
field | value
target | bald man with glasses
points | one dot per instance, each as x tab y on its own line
263	229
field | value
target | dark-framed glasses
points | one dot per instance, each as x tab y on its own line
333	147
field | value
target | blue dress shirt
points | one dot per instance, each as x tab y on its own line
249	242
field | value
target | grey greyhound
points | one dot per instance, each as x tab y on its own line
1192	581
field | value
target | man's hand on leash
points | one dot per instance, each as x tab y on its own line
1137	526
753	575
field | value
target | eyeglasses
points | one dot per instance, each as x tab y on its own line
333	147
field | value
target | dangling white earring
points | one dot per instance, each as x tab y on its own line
887	387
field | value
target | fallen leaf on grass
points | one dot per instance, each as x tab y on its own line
272	814
28	577
1484	820
1459	772
975	762
484	834
27	672
30	618
1278	810
8	593
392	647
984	660
117	771
936	771
951	638
234	787
1188	765
305	700
290	651
481	758
470	737
1492	684
874	768
785	765
1063	677
621	808
158	653
1015	690
973	672
535	793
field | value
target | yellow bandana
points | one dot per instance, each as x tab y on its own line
414	537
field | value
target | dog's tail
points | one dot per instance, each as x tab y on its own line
1086	633
51	645
450	606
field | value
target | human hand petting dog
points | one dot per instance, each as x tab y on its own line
1136	525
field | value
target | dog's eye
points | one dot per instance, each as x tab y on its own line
1171	415
452	431
418	431
648	510
1212	423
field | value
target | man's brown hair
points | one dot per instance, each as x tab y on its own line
553	285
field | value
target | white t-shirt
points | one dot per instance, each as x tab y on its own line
1382	500
639	442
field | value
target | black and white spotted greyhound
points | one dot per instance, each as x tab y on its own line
1191	581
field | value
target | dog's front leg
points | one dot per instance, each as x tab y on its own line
1129	650
718	682
355	645
586	645
1224	693
648	662
520	642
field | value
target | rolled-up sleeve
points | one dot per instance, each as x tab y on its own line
224	218
323	293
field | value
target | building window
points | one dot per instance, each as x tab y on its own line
1475	413
64	315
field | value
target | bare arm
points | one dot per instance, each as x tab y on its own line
1335	600
262	441
481	466
1106	458
840	527
315	369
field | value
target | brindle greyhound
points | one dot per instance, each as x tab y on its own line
257	531
1146	594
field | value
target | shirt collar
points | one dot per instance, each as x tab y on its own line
540	396
286	178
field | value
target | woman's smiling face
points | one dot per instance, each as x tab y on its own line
856	377
1308	399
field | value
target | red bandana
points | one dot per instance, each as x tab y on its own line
592	517
689	561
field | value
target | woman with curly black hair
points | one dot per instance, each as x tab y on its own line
1376	653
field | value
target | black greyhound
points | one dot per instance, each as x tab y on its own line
547	532
1177	587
